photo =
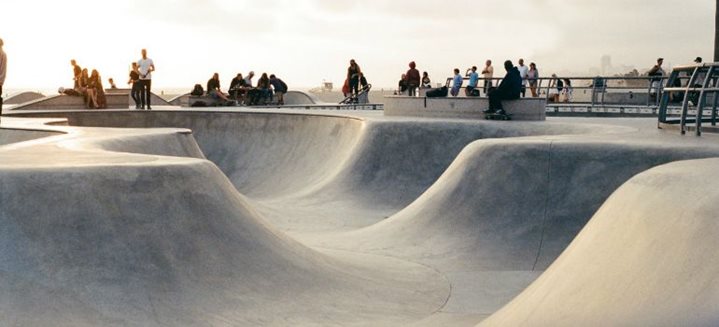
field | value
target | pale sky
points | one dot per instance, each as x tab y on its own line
306	41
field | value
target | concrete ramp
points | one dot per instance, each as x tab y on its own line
299	98
22	98
647	258
108	238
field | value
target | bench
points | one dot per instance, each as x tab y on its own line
462	107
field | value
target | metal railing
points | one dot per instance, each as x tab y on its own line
597	91
696	86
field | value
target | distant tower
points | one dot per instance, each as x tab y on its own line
606	64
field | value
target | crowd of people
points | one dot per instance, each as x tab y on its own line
87	85
242	92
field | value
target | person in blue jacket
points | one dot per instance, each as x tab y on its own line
508	89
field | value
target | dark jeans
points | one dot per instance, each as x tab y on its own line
145	89
523	90
487	85
1	99
354	86
412	90
135	93
496	97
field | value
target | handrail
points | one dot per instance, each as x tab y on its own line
651	85
702	82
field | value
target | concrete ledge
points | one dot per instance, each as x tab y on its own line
194	101
62	101
451	107
23	97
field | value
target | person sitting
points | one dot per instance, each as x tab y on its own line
280	88
402	85
112	83
426	82
473	81
508	89
95	92
237	88
261	93
213	88
456	83
82	84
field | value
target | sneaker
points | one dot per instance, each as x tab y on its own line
489	111
149	108
501	112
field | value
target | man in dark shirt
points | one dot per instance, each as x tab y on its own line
237	87
508	89
213	88
413	79
280	88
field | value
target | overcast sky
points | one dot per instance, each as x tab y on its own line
306	41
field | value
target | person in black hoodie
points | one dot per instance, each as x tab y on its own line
508	89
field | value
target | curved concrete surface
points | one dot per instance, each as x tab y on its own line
267	217
299	97
23	97
647	258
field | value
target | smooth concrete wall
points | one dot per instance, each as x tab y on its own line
646	258
62	101
23	97
461	107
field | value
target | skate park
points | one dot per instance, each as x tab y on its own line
247	217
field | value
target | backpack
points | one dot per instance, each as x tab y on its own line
437	93
197	90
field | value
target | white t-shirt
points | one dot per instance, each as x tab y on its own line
143	66
489	72
523	70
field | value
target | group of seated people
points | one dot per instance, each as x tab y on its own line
241	91
89	86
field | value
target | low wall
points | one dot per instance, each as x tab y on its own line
115	100
472	107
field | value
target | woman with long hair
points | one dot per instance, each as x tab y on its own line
95	92
532	77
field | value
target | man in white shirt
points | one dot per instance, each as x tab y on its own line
3	71
523	70
145	67
487	74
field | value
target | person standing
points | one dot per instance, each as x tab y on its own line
280	88
76	71
456	83
353	76
135	84
3	71
658	73
145	67
523	71
532	77
413	79
487	74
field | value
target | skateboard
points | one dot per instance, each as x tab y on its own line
496	116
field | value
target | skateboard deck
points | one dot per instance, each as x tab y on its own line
496	116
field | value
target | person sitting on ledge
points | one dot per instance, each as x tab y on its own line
213	88
237	88
508	89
